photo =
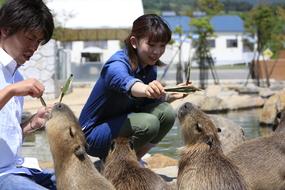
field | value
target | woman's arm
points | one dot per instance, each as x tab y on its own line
153	90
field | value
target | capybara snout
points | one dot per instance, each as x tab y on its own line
183	110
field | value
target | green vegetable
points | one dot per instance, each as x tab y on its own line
182	89
66	87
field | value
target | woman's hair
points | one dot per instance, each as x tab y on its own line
151	27
31	15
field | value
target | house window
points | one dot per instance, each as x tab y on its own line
212	43
91	57
232	43
100	44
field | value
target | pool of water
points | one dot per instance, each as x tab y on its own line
36	145
247	119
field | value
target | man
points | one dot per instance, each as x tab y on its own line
24	25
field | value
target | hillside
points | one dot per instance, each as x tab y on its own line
254	2
182	5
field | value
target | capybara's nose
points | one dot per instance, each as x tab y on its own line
187	105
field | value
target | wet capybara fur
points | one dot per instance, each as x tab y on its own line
262	160
73	168
202	164
126	173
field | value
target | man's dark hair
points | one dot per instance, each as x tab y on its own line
31	15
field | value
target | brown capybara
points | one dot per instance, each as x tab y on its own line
262	160
73	168
125	172
202	164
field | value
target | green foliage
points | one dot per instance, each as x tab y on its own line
203	27
237	6
211	7
158	6
259	24
2	2
180	7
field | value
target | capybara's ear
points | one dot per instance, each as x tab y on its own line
79	151
131	144
278	115
219	130
112	145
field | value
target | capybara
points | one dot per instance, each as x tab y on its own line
262	160
73	168
126	173
202	164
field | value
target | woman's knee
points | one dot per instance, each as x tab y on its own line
150	125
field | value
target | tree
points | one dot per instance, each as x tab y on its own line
204	29
259	24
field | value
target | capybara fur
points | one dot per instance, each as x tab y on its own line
202	164
262	160
126	173
73	168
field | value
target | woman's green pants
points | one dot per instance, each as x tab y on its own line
148	126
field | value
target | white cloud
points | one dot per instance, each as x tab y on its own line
98	13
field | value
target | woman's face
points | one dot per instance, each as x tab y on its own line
148	52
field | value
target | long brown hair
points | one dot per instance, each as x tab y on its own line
152	27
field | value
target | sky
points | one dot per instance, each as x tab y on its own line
97	13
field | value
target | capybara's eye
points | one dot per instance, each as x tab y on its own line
59	106
186	105
278	115
198	127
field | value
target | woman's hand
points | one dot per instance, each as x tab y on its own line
154	90
170	97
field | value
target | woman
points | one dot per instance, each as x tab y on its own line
127	100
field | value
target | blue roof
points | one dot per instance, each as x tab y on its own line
221	23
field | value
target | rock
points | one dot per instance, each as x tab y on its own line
277	87
160	161
169	174
231	133
213	90
266	93
195	98
249	89
236	102
271	108
213	103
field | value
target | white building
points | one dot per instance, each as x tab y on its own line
95	14
227	48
